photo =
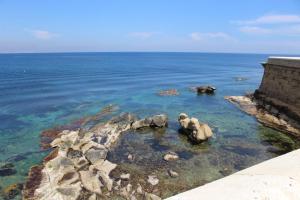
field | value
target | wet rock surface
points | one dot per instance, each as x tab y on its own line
79	166
196	131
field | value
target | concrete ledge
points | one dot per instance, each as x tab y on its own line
275	179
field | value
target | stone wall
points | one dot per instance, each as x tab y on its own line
279	91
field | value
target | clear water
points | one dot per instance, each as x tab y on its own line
40	91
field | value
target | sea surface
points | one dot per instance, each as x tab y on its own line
41	91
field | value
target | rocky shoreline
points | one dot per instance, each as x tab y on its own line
78	168
266	114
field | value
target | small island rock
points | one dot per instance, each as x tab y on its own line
194	129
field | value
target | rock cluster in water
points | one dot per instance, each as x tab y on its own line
196	131
267	115
78	167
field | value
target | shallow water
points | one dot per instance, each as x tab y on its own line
40	91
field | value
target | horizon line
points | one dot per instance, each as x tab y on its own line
204	52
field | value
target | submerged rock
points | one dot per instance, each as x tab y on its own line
170	92
196	131
7	170
153	180
171	156
12	191
172	173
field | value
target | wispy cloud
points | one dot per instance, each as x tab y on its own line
42	34
290	30
255	30
143	35
270	19
199	36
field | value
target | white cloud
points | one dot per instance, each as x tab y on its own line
271	19
142	35
198	36
43	34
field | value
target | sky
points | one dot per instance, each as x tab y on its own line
243	26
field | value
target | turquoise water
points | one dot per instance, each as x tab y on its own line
40	91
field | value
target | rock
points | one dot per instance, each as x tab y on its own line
149	196
68	192
196	131
129	188
125	176
70	176
139	189
153	122
94	155
130	157
171	156
159	121
170	92
91	181
12	191
153	180
78	169
205	89
172	173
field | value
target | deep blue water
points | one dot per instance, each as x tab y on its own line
39	91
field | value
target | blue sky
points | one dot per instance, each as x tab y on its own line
256	26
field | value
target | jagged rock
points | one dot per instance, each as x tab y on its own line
96	155
153	180
125	176
194	129
91	181
171	156
78	169
155	121
172	173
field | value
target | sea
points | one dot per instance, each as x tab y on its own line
40	91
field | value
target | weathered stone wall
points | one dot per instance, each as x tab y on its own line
279	91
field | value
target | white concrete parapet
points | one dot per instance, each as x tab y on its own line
275	179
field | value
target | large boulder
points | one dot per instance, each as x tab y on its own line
197	131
